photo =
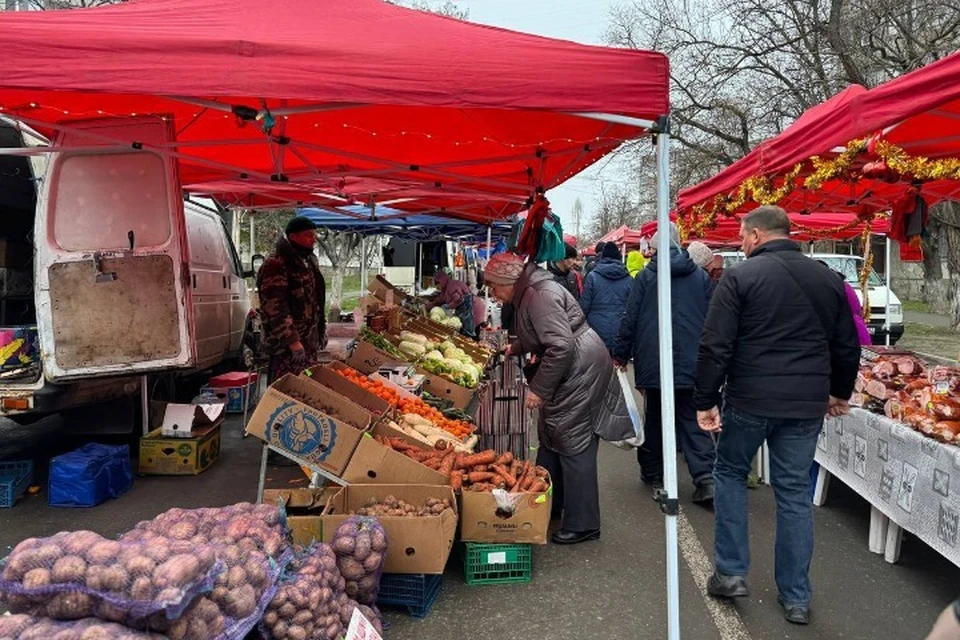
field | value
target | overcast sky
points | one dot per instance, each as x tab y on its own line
578	20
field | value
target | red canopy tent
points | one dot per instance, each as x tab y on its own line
357	99
918	113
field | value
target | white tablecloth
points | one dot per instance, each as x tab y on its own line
912	479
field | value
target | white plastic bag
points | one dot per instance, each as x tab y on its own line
636	417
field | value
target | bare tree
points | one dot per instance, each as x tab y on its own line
341	249
576	213
447	8
743	70
618	206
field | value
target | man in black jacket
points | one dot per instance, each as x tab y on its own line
780	339
638	338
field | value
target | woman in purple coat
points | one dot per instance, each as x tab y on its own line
855	308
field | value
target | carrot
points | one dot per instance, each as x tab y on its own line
484	457
515	468
446	465
528	482
538	487
481	467
433	463
502	471
423	455
505	459
477	477
541	472
482	486
456	480
398	444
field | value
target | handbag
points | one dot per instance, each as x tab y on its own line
551	247
635	416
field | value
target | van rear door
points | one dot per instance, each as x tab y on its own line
112	290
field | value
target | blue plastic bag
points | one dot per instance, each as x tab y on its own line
90	475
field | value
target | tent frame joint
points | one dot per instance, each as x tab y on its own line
662	125
669	506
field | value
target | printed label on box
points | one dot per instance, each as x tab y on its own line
302	433
497	557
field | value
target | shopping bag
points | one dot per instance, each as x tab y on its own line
635	416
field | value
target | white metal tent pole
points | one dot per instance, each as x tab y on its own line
363	264
669	502
489	250
253	244
886	274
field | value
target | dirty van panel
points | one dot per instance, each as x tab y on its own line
112	288
110	323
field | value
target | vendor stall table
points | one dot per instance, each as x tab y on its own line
904	475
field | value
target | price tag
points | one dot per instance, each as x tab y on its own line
497	557
361	629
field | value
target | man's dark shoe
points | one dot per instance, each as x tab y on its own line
721	586
703	494
574	537
795	613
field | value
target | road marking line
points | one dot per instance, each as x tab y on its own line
725	615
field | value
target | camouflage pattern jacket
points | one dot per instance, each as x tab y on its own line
292	298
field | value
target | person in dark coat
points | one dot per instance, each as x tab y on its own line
605	294
639	339
573	387
292	299
564	273
780	342
592	261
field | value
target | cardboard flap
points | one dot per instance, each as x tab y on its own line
184	417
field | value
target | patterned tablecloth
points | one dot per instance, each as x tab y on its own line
914	480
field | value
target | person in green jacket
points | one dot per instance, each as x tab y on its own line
635	263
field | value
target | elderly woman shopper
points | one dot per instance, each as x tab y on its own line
573	387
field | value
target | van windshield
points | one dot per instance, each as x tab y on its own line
850	267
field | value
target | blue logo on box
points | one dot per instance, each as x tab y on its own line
302	433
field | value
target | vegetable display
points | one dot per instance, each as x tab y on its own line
438	315
360	544
483	471
379	341
393	506
80	574
408	404
423	430
311	603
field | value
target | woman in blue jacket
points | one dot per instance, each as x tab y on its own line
605	294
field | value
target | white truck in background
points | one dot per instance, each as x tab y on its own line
107	269
851	267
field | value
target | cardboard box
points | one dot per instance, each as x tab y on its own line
483	520
374	463
461	397
366	358
304	510
183	420
328	377
440	333
303	429
415	544
381	288
164	456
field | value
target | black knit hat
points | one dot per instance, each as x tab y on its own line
571	251
610	250
300	223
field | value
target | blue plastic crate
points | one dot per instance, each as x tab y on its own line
15	478
416	592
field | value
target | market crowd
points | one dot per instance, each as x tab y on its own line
762	351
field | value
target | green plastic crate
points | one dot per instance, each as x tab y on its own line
497	563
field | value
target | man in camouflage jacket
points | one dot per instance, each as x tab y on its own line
292	300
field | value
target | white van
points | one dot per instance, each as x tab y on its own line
122	277
851	267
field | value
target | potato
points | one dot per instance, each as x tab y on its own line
183	530
350	568
296	632
352	588
362	546
159	553
334	630
178	631
36	579
207	610
205	556
141	589
177	571
378	540
110	613
69	606
236	577
303	617
270	618
139	565
77	542
368	587
280	630
103	553
170	595
219	594
287	611
69	569
279	599
197	629
114	578
344	545
46	554
29	543
240	603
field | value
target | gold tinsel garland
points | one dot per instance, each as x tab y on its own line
865	271
759	189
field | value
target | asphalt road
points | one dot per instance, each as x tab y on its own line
613	588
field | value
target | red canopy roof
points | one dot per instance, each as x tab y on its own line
346	89
918	112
